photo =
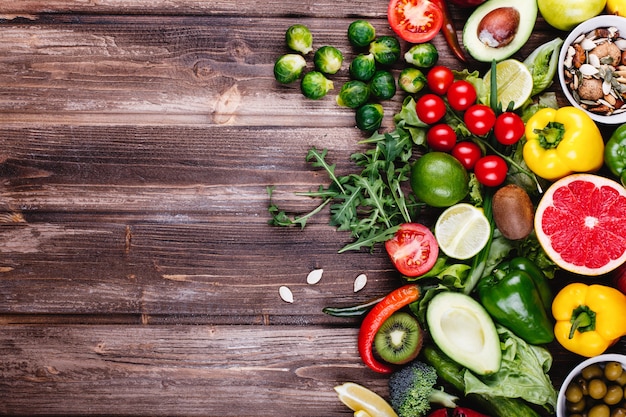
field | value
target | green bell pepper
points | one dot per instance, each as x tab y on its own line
615	153
518	297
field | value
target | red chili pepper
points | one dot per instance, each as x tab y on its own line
456	412
391	303
449	31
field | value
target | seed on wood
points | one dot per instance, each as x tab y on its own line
314	276
285	294
359	282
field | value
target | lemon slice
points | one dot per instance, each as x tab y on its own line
361	399
514	81
462	231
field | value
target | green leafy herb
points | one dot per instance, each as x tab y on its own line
370	204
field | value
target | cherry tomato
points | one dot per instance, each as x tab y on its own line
430	108
479	119
509	128
467	153
439	79
491	170
461	95
415	21
413	249
441	137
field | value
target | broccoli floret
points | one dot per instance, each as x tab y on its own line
412	390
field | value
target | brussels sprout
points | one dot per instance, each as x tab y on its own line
411	80
288	68
328	59
422	55
299	38
383	85
315	85
353	94
363	67
386	49
369	117
361	33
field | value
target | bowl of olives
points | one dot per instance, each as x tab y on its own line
595	388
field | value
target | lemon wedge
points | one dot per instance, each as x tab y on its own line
364	401
462	230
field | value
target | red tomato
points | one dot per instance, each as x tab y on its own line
415	21
509	128
439	79
430	108
441	137
413	249
461	95
467	153
491	170
479	119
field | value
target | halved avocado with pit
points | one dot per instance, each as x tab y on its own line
499	28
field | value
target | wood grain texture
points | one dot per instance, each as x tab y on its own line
138	274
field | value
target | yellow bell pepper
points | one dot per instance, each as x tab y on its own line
589	318
561	142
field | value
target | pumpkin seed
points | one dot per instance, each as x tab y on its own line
359	282
314	276
286	294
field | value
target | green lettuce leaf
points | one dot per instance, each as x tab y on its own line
542	63
523	373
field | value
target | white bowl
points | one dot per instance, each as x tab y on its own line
561	410
586	27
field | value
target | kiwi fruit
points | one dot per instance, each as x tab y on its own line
399	340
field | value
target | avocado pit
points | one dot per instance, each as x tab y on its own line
499	27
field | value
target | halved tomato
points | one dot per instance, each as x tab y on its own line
415	21
413	249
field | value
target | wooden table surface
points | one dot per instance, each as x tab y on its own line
138	274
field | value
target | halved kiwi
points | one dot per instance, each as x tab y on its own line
399	340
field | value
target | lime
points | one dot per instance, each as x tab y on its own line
462	231
359	398
439	180
514	83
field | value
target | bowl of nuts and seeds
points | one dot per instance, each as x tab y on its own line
592	68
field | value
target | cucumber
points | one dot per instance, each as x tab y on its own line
452	373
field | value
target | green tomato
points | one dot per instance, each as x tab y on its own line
315	85
361	33
299	38
363	67
353	94
288	68
328	59
566	14
369	117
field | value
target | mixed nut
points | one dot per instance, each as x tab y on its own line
595	71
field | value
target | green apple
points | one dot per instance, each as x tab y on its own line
566	14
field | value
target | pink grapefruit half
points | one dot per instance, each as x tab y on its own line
581	224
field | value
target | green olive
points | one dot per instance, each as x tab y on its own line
614	394
613	370
592	371
622	379
577	407
584	385
619	412
597	389
574	392
599	410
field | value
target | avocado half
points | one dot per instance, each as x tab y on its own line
479	50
